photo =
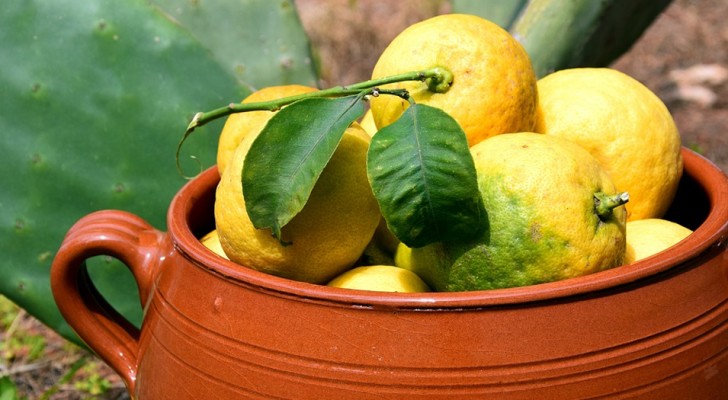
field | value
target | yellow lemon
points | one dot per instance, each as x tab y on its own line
239	125
381	278
212	241
552	213
621	123
367	122
494	86
646	237
325	238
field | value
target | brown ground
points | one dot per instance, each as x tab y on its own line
683	57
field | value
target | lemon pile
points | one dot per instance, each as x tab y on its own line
556	160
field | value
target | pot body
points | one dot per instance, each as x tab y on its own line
656	329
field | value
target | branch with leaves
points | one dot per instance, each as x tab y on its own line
419	167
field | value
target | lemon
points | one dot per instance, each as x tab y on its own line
621	123
381	278
550	216
431	262
239	125
212	241
367	122
646	237
325	238
494	85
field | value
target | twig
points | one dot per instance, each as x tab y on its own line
25	368
438	80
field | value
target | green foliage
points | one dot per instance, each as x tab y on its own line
22	347
424	178
95	98
419	167
288	156
17	342
8	313
92	383
32	345
8	390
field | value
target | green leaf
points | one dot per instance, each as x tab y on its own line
286	159
424	179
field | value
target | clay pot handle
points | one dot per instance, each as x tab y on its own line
135	243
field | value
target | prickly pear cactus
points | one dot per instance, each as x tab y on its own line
253	43
560	34
502	12
94	97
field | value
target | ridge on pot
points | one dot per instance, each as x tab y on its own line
654	329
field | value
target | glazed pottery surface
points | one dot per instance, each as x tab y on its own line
656	329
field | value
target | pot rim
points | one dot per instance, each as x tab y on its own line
713	232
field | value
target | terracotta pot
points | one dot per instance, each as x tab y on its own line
212	329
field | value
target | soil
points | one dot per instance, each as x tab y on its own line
683	57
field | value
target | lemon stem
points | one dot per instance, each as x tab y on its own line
440	81
604	203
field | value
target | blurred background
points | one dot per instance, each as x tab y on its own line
683	57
